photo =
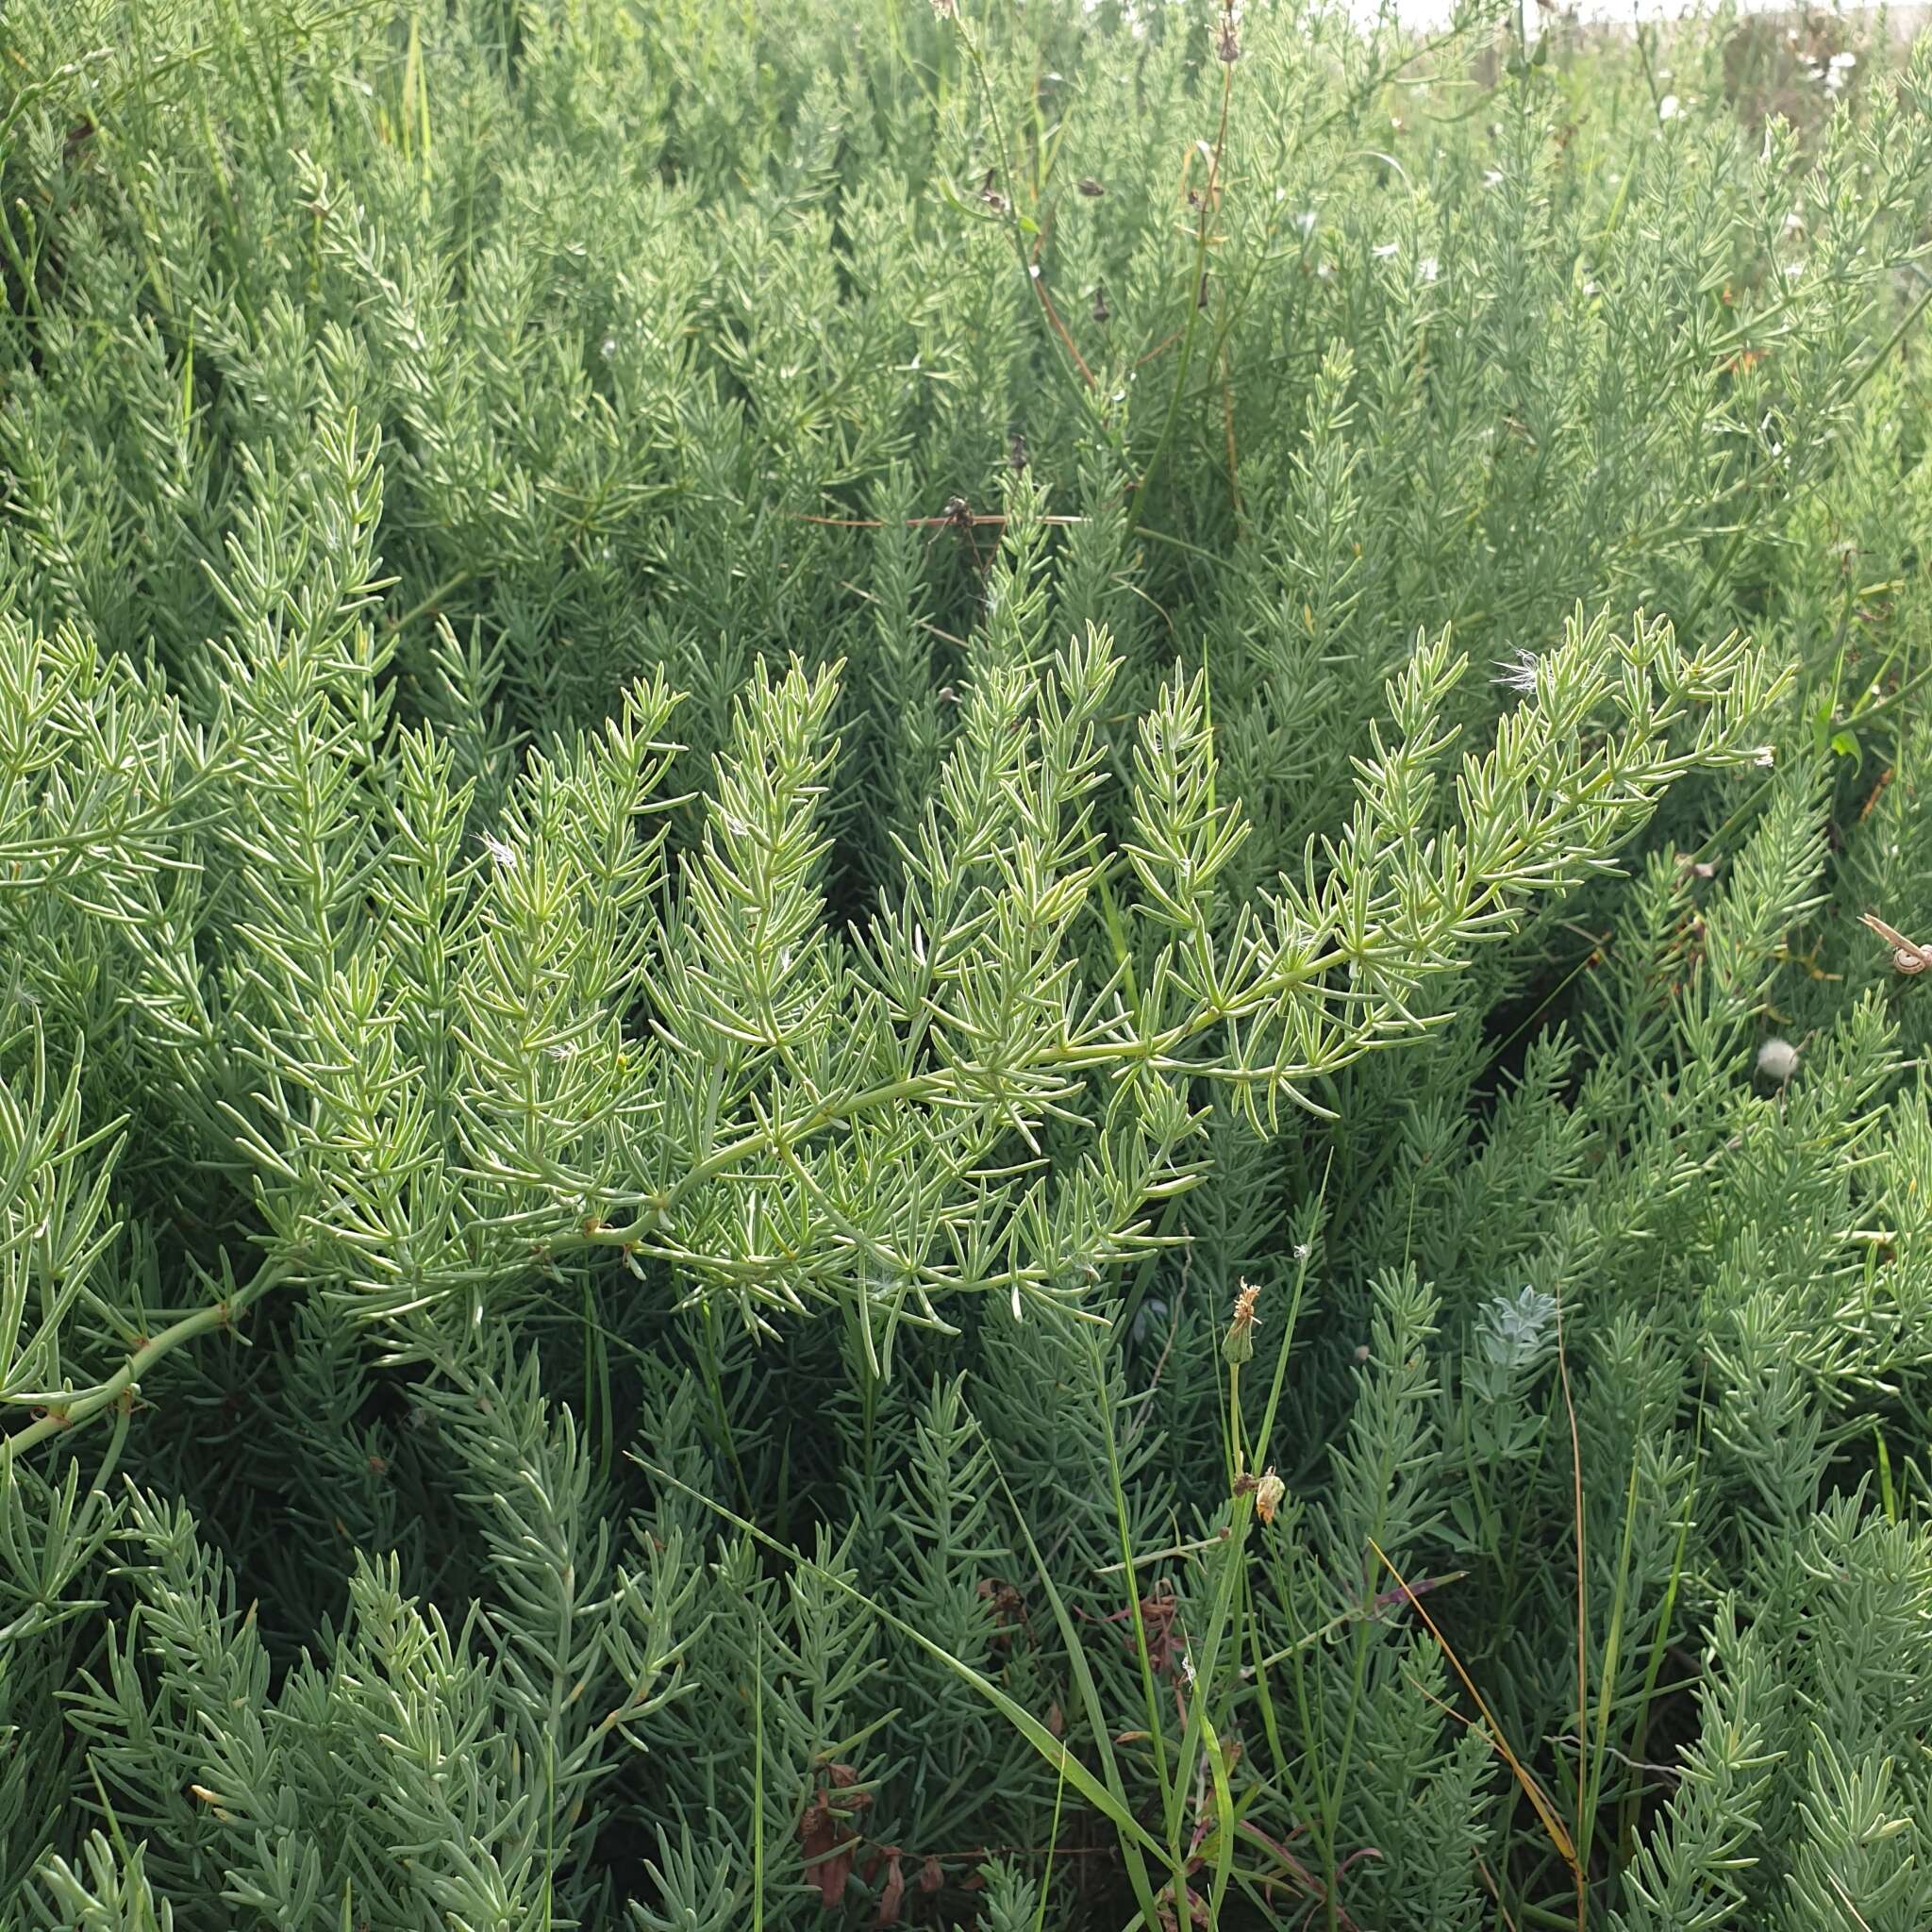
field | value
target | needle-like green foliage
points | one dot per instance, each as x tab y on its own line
935	983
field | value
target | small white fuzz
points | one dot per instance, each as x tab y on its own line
1778	1059
1518	674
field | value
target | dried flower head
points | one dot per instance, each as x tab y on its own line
1778	1059
1227	45
1268	1494
1239	1346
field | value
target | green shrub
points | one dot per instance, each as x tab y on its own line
935	983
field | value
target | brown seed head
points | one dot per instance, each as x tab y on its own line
1239	1346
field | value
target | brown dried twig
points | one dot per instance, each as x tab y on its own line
1907	955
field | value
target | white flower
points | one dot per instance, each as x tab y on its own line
1306	221
1324	271
505	855
1669	108
609	347
1384	250
1765	754
1845	63
1778	1059
1519	674
1427	268
1492	177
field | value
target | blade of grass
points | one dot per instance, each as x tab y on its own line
1538	1799
1608	1674
1135	1836
1110	1802
1582	1612
1660	1641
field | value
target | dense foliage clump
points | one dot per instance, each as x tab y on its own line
960	966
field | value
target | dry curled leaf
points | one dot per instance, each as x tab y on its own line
893	1895
825	1835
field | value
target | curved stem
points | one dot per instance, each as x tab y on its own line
1075	371
1080	1056
1142	488
84	1405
